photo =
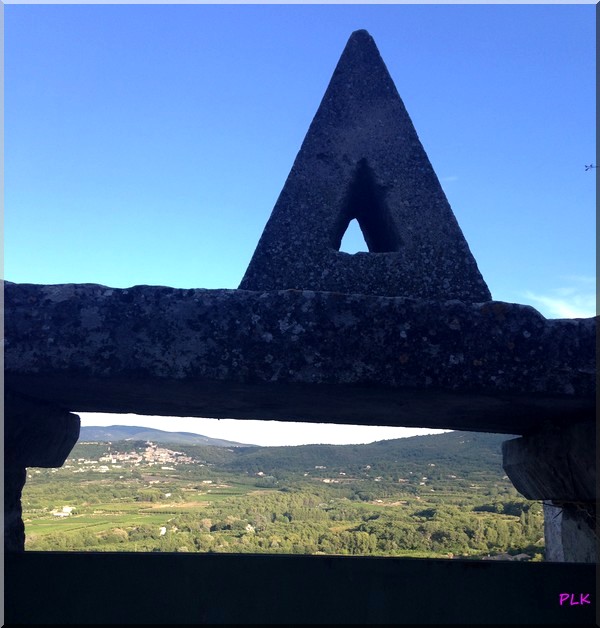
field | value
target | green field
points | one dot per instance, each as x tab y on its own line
381	500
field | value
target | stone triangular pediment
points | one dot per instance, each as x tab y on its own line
362	159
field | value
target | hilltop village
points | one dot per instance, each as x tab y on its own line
153	454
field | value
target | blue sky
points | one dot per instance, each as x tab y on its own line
147	144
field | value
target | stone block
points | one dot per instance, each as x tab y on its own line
362	159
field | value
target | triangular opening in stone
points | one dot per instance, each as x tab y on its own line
365	204
353	240
362	160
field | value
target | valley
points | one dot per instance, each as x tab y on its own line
438	496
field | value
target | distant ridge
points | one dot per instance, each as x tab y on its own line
126	432
467	457
471	452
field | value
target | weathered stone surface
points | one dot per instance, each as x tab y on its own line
298	355
14	528
570	532
556	464
37	434
362	159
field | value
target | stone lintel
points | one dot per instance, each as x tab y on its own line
557	464
37	434
298	355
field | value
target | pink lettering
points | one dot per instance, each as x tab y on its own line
584	598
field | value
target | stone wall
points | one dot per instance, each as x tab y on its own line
298	355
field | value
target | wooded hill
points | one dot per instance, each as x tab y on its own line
469	456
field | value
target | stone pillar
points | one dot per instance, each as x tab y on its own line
35	435
14	529
570	532
558	466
